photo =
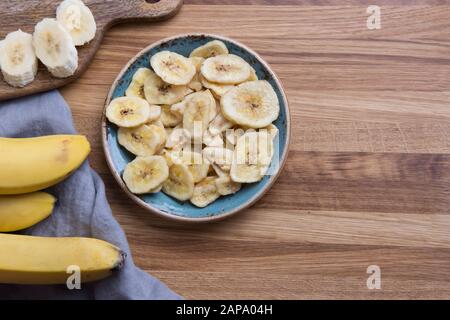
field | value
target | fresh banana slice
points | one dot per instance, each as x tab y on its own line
169	118
144	140
220	156
195	83
199	110
217	89
219	124
180	183
155	113
55	48
252	156
205	192
212	141
210	49
128	111
18	61
157	91
226	186
172	67
145	174
136	87
78	20
226	69
253	104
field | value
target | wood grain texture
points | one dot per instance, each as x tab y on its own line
24	14
367	180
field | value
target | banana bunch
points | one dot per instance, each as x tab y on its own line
28	165
212	132
53	42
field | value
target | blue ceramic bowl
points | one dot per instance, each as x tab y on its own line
160	203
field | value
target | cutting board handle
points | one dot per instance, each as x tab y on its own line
148	9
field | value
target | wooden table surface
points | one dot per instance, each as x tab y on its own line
367	180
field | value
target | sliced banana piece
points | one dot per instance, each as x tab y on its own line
252	104
155	113
136	87
226	69
195	84
169	118
217	89
226	186
199	110
220	156
214	104
212	141
210	49
178	139
232	136
55	48
144	140
197	62
168	131
172	67
216	171
128	111
253	75
18	61
156	190
272	130
197	165
219	124
205	192
78	20
178	108
172	156
145	174
157	91
180	183
252	156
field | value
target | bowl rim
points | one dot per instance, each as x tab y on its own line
168	215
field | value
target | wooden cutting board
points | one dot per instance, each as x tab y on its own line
24	14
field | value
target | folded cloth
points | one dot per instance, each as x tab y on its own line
81	209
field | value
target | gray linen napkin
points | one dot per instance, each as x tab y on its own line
81	210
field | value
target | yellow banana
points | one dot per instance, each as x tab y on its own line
31	164
43	260
21	211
